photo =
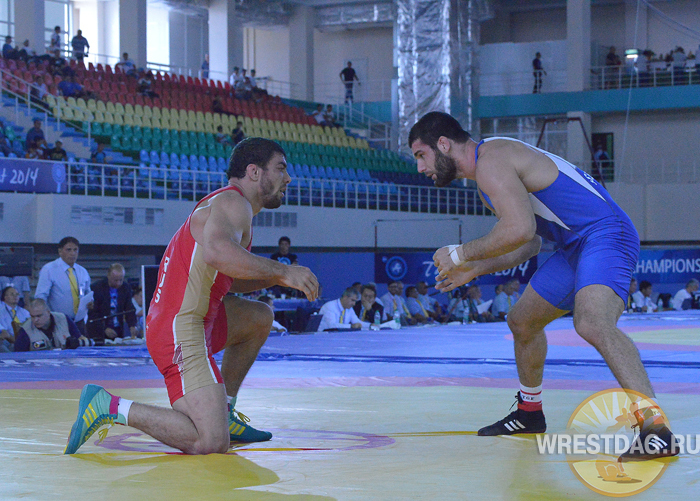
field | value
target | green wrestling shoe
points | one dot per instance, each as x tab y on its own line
97	407
240	431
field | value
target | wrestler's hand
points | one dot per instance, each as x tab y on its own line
443	259
457	276
302	279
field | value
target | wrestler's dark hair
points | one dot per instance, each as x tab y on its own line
68	240
253	150
435	124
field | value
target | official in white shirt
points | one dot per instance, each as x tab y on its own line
642	298
63	282
339	314
683	294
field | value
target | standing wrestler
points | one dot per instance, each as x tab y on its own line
191	318
535	195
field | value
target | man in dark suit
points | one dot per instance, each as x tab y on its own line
113	308
367	307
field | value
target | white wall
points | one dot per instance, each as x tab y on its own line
656	142
267	51
370	50
48	218
538	25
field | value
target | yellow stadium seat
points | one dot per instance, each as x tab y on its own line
99	116
352	142
147	111
345	142
199	116
108	117
146	121
363	144
165	123
191	116
175	124
255	122
51	101
128	109
208	117
101	106
110	107
127	119
67	113
247	123
72	102
165	113
118	120
91	104
210	127
155	123
138	109
182	114
137	120
155	112
118	108
285	125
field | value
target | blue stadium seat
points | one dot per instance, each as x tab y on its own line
143	156
213	164
184	162
174	160
222	164
164	158
290	171
322	174
314	172
194	162
305	172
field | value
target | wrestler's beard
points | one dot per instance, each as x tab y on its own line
445	169
272	198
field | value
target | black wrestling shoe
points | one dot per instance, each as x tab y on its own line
518	421
654	441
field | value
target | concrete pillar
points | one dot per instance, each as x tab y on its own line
178	37
301	52
29	24
108	32
635	26
132	30
578	41
225	39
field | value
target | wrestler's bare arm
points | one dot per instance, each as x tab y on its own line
226	225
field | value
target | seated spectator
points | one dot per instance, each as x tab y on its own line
367	307
33	152
5	145
25	52
684	297
329	117
318	114
393	302
34	134
276	326
642	298
59	66
38	92
218	107
237	134
504	301
415	307
137	303
57	152
7	339
112	313
98	155
458	308
21	283
145	84
69	87
126	64
45	329
431	305
253	80
629	307
12	315
473	302
339	314
8	51
222	138
41	148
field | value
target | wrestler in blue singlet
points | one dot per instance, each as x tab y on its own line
597	242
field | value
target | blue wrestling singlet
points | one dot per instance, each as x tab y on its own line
597	242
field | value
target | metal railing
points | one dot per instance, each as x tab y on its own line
364	91
158	183
658	74
20	90
520	82
378	134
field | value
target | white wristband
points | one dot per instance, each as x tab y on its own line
454	255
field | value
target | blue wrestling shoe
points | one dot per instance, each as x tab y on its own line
240	431
97	407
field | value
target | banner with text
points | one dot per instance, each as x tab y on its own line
414	267
666	266
32	177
